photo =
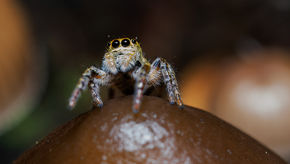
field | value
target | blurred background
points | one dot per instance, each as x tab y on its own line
231	59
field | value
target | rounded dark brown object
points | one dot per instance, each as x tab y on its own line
159	133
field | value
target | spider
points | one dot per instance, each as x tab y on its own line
125	56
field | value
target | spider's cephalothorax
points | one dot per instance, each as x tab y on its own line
124	55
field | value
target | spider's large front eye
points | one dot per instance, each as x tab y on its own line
125	42
115	43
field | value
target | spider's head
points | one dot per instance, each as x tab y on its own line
126	52
122	46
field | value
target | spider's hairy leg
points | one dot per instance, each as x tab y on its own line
95	91
154	74
98	79
109	63
83	82
176	91
171	83
140	77
167	81
81	86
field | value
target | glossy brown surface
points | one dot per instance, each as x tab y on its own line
159	133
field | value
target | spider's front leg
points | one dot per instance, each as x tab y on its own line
140	77
169	80
93	77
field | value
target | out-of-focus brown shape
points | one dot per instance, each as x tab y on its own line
254	96
16	63
251	92
159	133
199	82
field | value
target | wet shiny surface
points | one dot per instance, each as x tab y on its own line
159	133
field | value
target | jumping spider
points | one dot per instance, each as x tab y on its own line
125	55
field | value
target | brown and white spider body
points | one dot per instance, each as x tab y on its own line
125	55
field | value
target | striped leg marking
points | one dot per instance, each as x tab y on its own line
93	76
167	81
81	86
95	91
140	77
171	83
175	87
154	75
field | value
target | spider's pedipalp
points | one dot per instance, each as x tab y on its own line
109	63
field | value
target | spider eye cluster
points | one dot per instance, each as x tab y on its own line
124	42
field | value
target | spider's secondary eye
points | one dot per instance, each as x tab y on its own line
133	41
125	43
115	43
